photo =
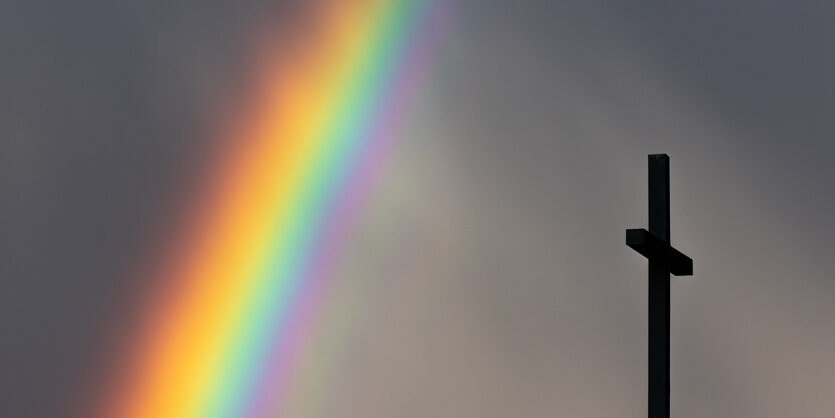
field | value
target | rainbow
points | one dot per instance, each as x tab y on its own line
238	292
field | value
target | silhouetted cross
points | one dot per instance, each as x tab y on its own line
663	260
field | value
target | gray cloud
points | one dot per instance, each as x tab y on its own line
488	275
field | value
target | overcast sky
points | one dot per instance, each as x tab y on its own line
487	274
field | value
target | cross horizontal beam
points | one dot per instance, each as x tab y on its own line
652	247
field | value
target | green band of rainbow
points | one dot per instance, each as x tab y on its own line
241	293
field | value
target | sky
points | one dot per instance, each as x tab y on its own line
486	274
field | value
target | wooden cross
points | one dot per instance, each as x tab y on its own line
663	260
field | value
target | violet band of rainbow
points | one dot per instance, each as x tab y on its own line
222	339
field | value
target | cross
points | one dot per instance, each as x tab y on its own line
663	260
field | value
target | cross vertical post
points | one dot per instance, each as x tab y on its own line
663	260
659	289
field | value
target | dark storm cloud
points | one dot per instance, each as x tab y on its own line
765	69
556	105
499	284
